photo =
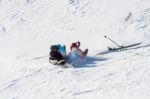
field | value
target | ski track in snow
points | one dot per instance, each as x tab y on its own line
104	82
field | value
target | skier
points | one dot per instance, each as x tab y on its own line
76	53
57	54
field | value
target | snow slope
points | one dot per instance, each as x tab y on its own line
29	27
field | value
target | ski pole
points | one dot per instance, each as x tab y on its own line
41	57
36	58
113	41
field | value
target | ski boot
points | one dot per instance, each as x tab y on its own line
85	52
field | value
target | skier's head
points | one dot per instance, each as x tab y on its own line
54	48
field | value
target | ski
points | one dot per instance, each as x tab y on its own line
119	46
67	65
123	47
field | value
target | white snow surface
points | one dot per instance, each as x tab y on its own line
29	27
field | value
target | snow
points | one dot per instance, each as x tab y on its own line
29	27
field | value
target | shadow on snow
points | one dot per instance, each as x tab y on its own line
89	62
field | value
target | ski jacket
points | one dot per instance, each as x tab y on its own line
55	55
